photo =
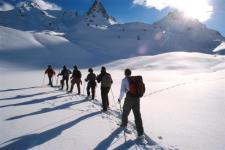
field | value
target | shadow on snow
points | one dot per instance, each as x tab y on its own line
36	101
46	110
32	140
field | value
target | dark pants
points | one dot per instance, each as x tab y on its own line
134	104
67	83
92	88
105	99
50	81
78	87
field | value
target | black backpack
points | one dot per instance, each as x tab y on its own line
137	86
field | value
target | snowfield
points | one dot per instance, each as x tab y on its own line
183	107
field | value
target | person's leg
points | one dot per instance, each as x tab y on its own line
104	97
93	92
107	98
49	82
67	84
137	117
62	83
78	87
126	111
88	89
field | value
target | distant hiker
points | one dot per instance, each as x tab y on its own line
106	82
50	73
91	77
134	89
76	79
65	73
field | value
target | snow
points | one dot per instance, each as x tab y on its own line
182	107
220	47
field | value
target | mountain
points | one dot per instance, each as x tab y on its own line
29	16
95	36
97	9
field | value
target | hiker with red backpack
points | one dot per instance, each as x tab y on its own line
134	89
50	73
76	79
91	77
106	82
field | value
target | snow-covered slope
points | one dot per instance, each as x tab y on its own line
220	48
97	35
31	49
173	61
183	107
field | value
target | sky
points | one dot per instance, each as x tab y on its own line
209	12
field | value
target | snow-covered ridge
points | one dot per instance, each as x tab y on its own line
174	61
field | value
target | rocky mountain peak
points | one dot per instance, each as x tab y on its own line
97	7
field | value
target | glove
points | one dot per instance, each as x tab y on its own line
119	100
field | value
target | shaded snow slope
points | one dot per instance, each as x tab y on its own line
31	49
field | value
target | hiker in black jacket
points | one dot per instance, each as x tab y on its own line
76	79
106	82
65	73
91	77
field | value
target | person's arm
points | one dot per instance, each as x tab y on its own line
123	89
87	78
99	78
61	73
53	72
46	71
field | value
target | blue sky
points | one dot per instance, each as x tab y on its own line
149	12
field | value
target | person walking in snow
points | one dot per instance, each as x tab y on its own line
91	79
65	73
132	101
106	81
76	79
50	73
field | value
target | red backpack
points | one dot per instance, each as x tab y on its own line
137	86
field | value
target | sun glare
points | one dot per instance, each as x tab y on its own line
199	9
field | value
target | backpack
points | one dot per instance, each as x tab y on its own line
137	86
91	77
106	80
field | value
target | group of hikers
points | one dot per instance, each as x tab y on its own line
131	86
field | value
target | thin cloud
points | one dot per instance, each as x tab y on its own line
5	6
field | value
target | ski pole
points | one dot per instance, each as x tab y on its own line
113	96
84	87
43	80
57	79
124	134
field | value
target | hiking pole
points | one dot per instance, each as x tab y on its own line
113	96
124	134
83	88
57	79
43	80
